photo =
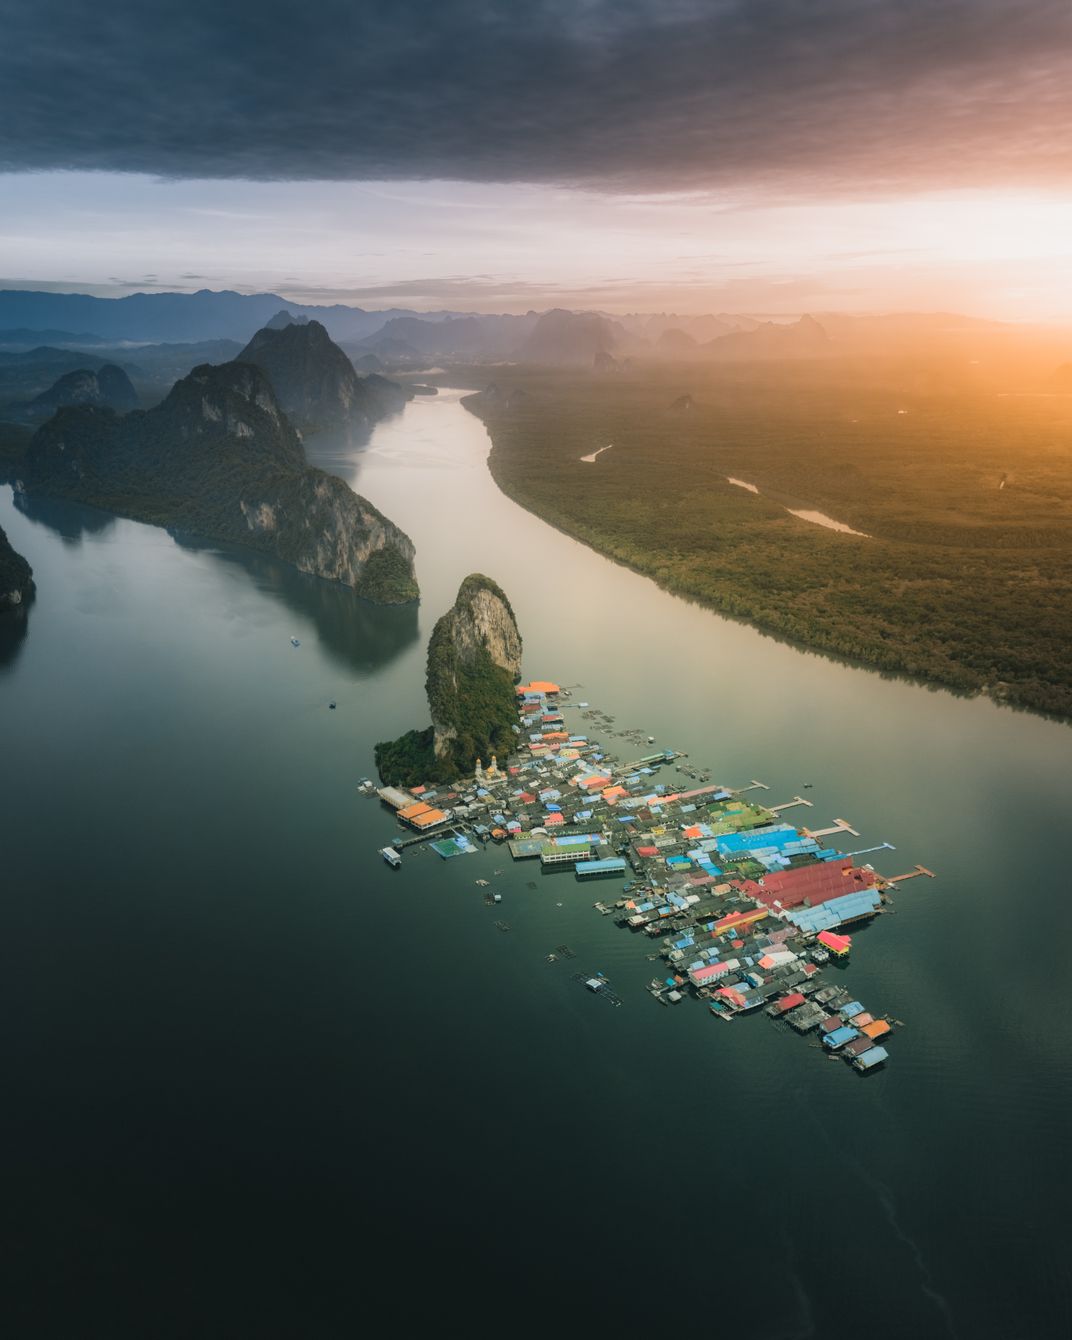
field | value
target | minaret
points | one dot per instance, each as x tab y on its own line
493	771
479	771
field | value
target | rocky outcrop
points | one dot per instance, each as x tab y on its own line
474	661
107	386
469	700
16	579
219	458
315	382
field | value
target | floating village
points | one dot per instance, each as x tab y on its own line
743	909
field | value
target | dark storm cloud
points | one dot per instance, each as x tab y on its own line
618	93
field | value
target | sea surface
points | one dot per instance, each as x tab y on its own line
255	1083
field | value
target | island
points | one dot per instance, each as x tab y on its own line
218	458
474	662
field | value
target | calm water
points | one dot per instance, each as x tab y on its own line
256	1084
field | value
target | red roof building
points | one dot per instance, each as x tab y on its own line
809	884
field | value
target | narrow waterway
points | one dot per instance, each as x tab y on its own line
247	1063
811	514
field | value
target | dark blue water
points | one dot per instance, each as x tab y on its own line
256	1084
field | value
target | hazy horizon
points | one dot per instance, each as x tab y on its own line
427	246
686	157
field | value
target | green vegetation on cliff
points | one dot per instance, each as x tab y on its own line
474	658
411	759
14	442
219	458
16	578
963	575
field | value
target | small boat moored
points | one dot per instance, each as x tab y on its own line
393	859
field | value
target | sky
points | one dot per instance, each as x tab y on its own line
768	156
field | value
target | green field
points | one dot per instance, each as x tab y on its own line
964	495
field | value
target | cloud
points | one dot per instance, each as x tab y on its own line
480	292
650	95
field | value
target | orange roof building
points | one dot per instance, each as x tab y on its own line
421	816
412	811
428	819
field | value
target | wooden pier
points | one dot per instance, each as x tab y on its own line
660	757
912	874
400	844
789	805
839	826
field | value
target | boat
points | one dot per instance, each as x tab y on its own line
651	739
393	859
294	642
331	706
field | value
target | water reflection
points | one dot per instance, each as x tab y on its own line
338	451
71	521
358	635
12	637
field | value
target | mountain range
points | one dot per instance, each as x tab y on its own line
159	337
179	317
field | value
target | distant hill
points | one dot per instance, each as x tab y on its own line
107	386
676	343
315	382
407	338
46	354
32	372
561	337
24	338
220	459
180	317
800	339
367	363
284	318
701	328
